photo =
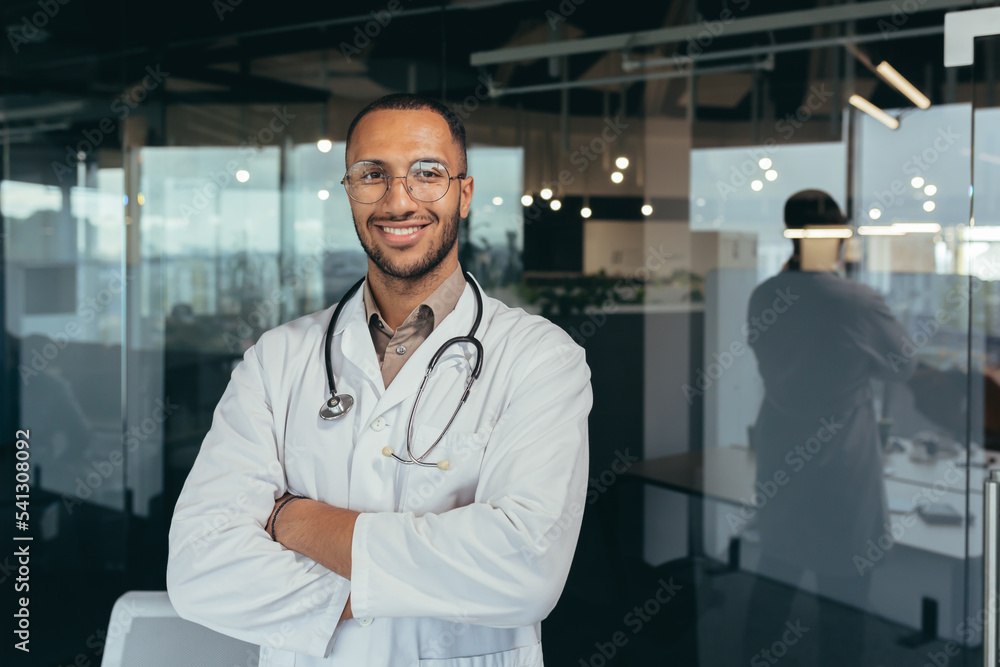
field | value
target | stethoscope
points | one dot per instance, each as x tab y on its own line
339	405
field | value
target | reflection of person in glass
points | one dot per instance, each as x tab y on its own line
819	339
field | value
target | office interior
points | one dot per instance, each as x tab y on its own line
170	189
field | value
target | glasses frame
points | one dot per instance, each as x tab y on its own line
388	182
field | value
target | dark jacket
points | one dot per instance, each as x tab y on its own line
819	339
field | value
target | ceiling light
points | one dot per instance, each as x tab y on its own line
917	182
861	103
617	177
647	209
765	163
879	230
546	193
987	234
825	232
900	83
585	212
929	206
324	145
555	204
323	195
875	213
497	201
770	174
622	162
527	200
756	185
930	190
243	176
917	227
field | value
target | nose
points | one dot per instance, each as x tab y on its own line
397	202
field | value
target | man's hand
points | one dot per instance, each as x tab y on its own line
317	530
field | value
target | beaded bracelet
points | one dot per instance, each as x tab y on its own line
274	519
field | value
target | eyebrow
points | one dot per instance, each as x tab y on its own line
427	158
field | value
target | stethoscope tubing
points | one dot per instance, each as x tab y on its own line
335	400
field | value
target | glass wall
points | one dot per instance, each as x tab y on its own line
795	394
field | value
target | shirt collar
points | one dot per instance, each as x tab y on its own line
439	303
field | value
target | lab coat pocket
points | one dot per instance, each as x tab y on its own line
430	489
526	656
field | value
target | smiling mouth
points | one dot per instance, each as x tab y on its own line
401	231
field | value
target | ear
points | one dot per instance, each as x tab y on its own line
466	196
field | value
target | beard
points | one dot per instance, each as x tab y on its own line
424	265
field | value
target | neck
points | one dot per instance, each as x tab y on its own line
396	297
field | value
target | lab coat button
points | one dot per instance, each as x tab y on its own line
378	424
363	622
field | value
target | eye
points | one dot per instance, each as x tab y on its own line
371	176
428	171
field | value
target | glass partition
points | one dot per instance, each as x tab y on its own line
795	394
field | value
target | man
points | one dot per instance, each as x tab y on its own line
819	340
382	563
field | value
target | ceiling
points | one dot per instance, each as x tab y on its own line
57	78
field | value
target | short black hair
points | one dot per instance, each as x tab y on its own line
408	102
812	207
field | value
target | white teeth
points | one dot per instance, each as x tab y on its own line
401	232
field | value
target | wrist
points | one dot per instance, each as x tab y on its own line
283	523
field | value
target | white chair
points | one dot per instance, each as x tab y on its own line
145	631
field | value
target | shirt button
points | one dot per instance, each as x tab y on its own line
364	622
378	424
401	349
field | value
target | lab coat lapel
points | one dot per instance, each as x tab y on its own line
356	347
407	381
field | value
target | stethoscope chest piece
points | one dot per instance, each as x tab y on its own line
336	407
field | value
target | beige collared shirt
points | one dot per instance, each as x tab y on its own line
395	347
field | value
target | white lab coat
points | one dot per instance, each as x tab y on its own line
450	568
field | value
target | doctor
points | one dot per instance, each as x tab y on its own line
383	561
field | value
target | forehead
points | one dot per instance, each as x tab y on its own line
402	136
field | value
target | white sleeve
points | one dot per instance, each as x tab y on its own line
503	560
224	571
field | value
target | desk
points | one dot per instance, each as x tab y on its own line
928	561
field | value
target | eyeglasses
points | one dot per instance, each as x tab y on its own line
426	181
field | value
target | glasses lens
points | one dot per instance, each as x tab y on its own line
366	182
427	180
